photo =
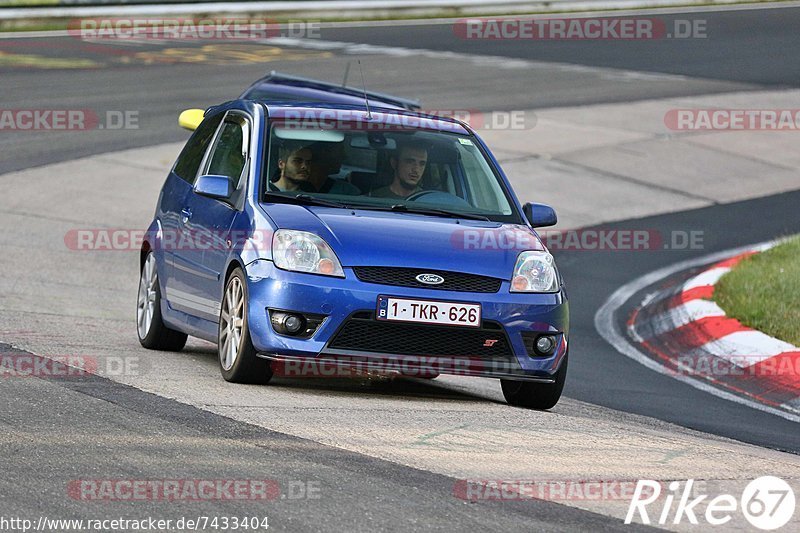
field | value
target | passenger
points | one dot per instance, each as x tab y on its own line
327	160
294	165
409	165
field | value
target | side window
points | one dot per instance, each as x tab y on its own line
192	154
482	193
475	194
230	153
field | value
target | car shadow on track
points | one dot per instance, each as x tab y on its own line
397	386
372	384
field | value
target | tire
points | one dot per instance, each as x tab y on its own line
150	328
535	395
237	357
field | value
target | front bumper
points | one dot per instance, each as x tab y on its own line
515	315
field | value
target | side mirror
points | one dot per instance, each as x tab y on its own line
540	215
213	186
191	118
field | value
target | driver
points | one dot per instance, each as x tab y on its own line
408	162
294	165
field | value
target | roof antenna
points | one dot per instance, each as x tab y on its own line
346	74
364	85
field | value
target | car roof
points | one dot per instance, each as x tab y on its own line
381	119
278	87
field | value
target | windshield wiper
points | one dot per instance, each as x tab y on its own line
437	212
306	199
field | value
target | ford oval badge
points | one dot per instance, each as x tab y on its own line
430	279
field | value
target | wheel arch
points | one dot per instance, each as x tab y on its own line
233	264
151	237
146	249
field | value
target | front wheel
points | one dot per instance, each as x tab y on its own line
535	395
238	361
152	332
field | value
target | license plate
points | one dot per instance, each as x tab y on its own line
429	311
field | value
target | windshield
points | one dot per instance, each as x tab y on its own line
428	172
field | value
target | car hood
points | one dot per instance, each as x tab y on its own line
379	238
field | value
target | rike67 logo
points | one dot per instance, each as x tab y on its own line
767	503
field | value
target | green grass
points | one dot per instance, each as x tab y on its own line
763	292
28	3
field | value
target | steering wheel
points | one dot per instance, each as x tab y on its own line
421	194
441	197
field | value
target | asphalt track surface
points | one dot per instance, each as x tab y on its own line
81	426
103	425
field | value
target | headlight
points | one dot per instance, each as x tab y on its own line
535	272
302	251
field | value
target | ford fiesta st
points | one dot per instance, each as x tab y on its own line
345	236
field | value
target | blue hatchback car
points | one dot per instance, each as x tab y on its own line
309	239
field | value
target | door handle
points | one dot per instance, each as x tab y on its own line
186	214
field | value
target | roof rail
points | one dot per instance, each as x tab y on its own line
411	105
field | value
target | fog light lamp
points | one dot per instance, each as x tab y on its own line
545	345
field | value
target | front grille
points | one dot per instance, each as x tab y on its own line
378	336
406	277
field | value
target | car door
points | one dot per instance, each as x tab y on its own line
206	221
173	200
